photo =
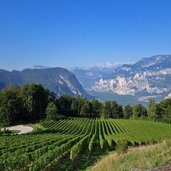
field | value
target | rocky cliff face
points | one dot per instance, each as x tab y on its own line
149	77
58	80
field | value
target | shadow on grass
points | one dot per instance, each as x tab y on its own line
87	158
82	162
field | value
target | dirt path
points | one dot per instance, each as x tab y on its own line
161	168
23	129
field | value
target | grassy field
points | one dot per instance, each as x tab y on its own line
76	143
144	157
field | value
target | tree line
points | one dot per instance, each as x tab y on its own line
33	102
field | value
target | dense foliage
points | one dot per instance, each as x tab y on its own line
32	102
66	142
27	103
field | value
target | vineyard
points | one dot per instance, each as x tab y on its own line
64	144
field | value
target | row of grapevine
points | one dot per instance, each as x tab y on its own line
93	139
69	138
76	149
113	131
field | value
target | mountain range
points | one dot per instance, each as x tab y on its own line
148	78
126	83
58	80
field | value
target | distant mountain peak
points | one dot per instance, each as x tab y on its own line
40	67
157	58
107	65
100	66
154	60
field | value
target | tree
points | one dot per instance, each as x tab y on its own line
152	110
168	113
120	112
96	108
80	101
35	100
64	105
128	111
51	96
163	110
139	111
116	110
86	109
106	109
159	112
51	111
11	106
74	107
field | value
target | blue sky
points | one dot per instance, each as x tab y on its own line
70	33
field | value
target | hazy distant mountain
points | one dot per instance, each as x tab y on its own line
58	80
40	67
89	75
149	77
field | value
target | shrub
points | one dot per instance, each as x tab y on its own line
122	146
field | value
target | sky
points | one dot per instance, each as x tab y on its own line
68	33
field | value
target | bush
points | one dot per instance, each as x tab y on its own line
122	146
